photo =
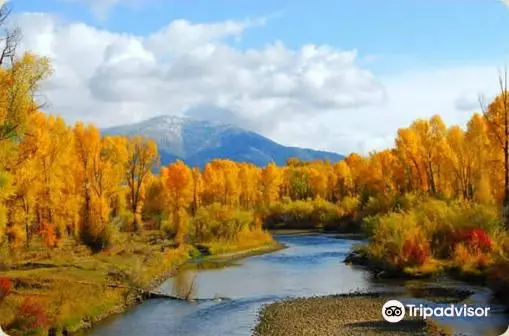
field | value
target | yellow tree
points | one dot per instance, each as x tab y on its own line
431	136
270	183
26	188
249	179
221	180
154	203
21	203
232	187
318	179
108	173
99	172
24	183
71	195
497	118
460	160
142	158
478	145
408	148
197	190
382	173
332	181
20	84
344	184
53	139
357	165
177	180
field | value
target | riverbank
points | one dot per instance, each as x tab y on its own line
337	234
240	254
73	289
343	315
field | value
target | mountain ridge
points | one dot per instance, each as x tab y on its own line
197	142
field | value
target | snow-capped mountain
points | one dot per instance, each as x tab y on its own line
197	141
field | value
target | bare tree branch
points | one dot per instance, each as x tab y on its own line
11	38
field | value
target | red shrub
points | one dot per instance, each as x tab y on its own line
415	253
32	314
5	287
474	238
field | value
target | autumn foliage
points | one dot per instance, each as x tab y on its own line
31	315
5	287
474	238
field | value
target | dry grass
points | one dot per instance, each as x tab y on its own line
76	287
246	239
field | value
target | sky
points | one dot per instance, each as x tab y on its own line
339	75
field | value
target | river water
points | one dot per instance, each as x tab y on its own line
311	265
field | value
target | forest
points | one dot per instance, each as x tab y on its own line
83	214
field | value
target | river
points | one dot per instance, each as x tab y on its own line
310	265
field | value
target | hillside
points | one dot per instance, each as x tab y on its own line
196	142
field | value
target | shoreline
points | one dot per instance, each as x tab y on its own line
241	254
337	233
158	280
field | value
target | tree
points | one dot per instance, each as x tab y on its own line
431	135
497	117
221	181
142	158
99	173
408	148
270	183
18	99
249	179
318	179
197	190
177	180
11	37
478	146
344	184
460	161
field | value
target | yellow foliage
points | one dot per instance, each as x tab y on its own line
15	236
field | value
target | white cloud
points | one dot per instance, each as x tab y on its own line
315	96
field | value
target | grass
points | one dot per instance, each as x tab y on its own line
70	288
78	288
245	240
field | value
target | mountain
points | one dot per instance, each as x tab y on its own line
197	141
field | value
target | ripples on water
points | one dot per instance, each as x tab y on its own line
311	265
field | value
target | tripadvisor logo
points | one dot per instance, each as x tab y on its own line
393	311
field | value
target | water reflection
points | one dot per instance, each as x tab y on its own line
184	284
309	266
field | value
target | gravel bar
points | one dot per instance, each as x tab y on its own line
349	314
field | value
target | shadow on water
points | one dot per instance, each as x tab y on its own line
311	265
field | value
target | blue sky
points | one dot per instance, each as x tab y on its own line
347	75
400	33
